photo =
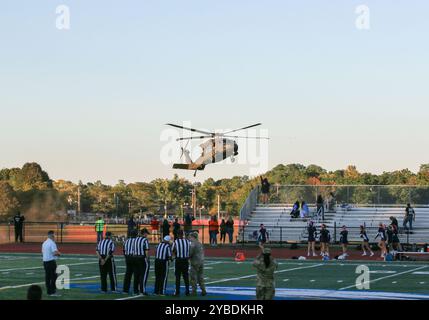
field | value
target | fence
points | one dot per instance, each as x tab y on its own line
36	232
376	195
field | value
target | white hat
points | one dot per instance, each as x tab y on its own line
167	238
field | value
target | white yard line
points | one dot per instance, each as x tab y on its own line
254	275
35	268
383	278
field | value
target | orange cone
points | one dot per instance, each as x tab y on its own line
240	257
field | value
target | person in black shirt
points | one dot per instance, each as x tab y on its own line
230	229
18	221
325	238
223	231
165	228
188	224
131	226
410	216
312	234
263	237
295	210
265	190
320	204
176	228
365	242
396	245
344	240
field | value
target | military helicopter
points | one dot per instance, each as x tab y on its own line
217	148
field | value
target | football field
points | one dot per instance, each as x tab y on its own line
229	280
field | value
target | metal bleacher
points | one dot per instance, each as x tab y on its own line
281	228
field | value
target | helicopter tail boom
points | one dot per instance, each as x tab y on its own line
184	166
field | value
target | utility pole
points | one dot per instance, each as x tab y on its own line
165	209
78	200
194	201
218	207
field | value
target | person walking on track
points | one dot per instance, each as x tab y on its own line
99	228
312	234
18	222
141	250
162	263
181	248
105	250
50	255
131	264
196	255
265	266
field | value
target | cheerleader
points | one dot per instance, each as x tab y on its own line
312	233
365	242
325	238
382	243
344	240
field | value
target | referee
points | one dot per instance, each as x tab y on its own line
141	249
105	249
162	258
131	263
181	249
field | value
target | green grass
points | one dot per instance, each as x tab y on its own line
225	278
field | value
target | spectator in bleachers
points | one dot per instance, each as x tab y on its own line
312	234
305	211
325	239
265	190
320	205
263	236
344	240
365	242
394	221
410	216
382	242
295	210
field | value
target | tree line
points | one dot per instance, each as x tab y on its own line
30	190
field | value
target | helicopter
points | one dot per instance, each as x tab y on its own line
217	148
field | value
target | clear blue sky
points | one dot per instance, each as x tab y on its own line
90	103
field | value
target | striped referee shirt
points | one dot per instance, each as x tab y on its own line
106	247
181	247
129	247
141	245
163	251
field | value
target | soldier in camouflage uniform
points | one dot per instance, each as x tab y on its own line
265	266
196	256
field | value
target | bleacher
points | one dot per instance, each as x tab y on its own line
277	219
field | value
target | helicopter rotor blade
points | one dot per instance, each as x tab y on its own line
191	129
248	127
194	138
241	137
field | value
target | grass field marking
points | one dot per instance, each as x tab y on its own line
254	275
41	283
383	278
238	278
41	267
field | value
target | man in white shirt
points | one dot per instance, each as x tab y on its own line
50	255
